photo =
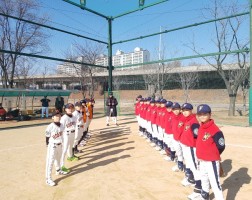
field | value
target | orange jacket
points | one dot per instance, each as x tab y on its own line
90	110
84	112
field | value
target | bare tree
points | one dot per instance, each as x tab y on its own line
19	36
227	38
24	72
187	80
86	53
89	52
157	77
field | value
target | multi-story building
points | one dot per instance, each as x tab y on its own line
137	56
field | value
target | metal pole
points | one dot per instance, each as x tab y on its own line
110	67
250	71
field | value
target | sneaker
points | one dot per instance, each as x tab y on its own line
152	144
50	182
157	148
64	169
78	151
185	182
70	158
175	168
167	158
88	136
75	158
107	124
60	172
162	152
83	143
195	196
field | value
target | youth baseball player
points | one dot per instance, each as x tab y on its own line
209	145
54	141
68	121
168	136
177	128
188	142
79	126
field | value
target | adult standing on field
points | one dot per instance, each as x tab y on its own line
45	106
111	104
59	103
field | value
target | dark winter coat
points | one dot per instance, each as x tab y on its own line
59	103
111	103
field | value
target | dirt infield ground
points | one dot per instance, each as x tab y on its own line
117	164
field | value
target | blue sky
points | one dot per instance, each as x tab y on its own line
168	15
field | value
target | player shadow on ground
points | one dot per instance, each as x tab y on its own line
129	122
106	136
91	151
235	181
92	154
128	118
227	166
91	164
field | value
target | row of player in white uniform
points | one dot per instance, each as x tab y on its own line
62	136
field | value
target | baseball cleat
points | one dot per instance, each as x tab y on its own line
50	182
176	169
153	144
167	158
162	152
194	196
60	172
186	183
75	158
70	158
64	169
107	124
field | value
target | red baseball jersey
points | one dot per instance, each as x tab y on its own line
210	143
190	131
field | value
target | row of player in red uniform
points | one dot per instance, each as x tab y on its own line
194	140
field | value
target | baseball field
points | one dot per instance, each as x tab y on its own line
116	164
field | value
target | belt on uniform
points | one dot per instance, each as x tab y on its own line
80	126
71	131
57	143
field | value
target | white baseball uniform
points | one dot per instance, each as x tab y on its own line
69	124
79	126
54	149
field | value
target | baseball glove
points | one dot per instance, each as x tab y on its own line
221	171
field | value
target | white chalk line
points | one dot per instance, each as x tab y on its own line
237	145
23	147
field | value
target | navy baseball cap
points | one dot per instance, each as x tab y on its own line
175	105
187	106
69	105
83	101
139	96
163	101
77	103
203	108
56	113
110	93
148	98
168	104
152	101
